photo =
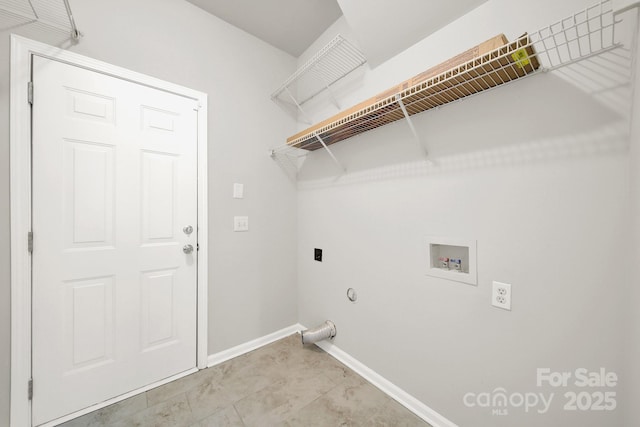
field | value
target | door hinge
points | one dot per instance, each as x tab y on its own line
30	92
30	242
30	387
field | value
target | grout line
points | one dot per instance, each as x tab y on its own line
233	405
186	397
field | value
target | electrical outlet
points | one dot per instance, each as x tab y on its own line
501	295
240	223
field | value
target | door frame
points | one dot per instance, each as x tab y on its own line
22	50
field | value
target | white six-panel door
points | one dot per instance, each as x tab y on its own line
114	186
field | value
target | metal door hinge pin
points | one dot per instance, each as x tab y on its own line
30	92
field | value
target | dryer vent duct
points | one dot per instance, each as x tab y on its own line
327	330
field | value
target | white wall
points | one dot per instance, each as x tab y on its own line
252	278
381	37
633	345
536	172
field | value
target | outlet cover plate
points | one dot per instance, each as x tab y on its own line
238	191
240	223
501	295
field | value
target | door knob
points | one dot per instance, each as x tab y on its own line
188	229
187	249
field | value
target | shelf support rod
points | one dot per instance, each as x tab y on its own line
410	123
33	9
326	85
293	98
75	33
329	151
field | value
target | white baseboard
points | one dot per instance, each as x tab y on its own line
386	386
223	356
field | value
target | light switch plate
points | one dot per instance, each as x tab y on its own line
240	223
238	191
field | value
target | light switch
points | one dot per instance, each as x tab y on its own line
240	223
238	191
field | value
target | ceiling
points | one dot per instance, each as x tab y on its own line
290	25
383	28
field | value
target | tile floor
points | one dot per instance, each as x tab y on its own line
281	384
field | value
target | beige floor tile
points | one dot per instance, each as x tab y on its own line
247	382
207	399
282	383
281	400
351	403
394	414
227	417
296	360
179	386
110	414
175	412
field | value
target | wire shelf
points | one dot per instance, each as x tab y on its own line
580	36
333	62
577	37
485	72
53	14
